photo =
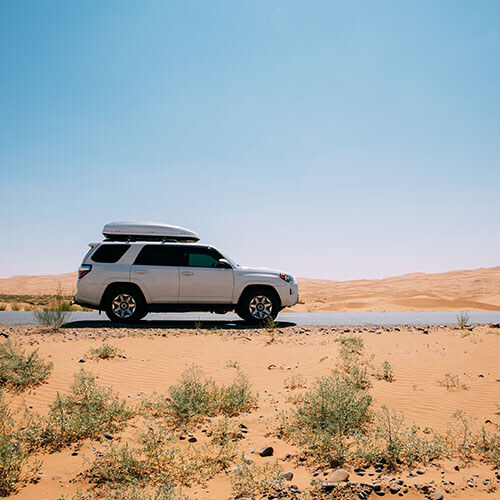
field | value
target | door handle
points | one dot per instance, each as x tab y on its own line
187	273
141	272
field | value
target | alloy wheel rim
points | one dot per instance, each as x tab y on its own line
124	305
261	307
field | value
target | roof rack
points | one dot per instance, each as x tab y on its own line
148	231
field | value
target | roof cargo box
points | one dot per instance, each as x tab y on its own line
147	231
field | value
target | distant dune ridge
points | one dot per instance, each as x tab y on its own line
470	290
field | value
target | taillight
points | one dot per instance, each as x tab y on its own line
83	270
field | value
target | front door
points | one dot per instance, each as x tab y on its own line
201	281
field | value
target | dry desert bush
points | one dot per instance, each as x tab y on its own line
56	313
15	466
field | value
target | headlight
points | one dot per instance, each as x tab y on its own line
286	277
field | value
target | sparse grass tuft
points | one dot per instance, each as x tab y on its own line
269	324
452	383
252	480
105	351
295	382
19	370
15	306
463	320
3	306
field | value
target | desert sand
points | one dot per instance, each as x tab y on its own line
471	290
154	359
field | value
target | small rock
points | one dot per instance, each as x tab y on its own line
421	471
438	495
192	439
81	361
394	488
288	476
267	451
338	476
107	435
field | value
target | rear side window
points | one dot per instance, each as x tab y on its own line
201	257
159	255
109	253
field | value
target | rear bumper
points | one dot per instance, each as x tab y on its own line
83	303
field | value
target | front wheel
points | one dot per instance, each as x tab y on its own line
124	306
258	305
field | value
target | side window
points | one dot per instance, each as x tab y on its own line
109	254
201	257
158	255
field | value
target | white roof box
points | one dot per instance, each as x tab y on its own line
147	231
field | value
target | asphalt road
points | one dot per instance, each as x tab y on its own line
93	319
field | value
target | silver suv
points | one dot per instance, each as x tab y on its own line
129	275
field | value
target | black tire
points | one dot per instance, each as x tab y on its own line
115	305
255	303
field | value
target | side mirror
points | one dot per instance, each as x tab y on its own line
224	264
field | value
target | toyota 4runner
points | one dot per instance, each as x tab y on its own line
146	267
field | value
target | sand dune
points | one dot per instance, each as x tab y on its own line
472	290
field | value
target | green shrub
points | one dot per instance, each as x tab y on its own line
334	405
236	397
88	411
195	398
330	412
19	370
14	466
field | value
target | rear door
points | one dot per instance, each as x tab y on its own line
156	267
201	281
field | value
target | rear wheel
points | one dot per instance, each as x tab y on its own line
258	305
124	305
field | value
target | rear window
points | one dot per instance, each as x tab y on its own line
109	253
158	255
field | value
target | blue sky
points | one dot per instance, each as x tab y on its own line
341	140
